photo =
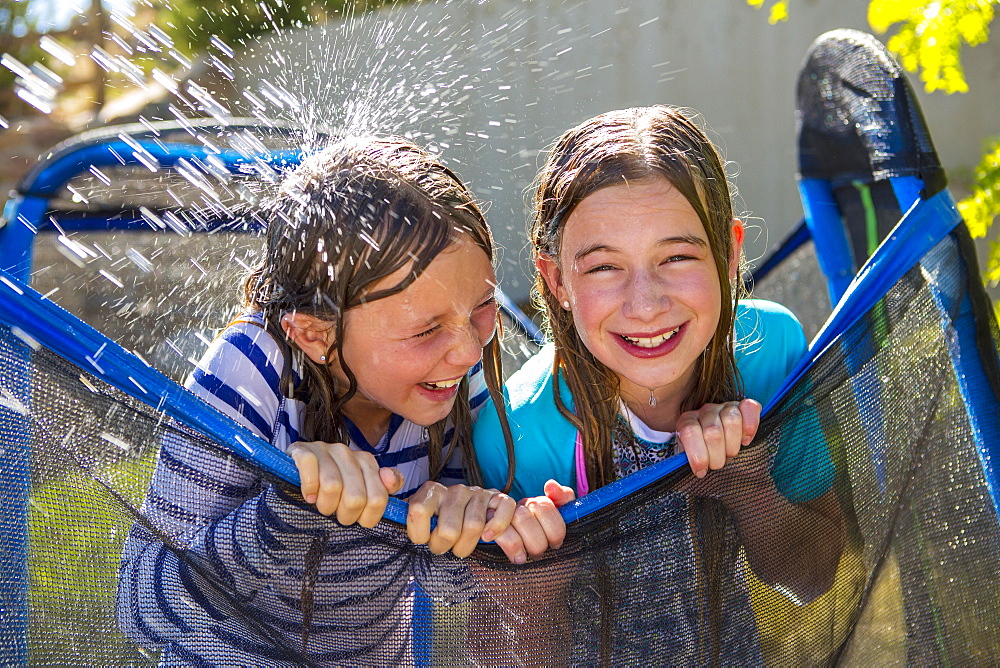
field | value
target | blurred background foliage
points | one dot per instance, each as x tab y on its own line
130	42
193	23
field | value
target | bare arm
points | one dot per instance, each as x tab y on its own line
793	547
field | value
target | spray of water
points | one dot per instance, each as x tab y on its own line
471	80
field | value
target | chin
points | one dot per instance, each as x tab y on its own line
430	419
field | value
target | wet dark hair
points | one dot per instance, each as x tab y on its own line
608	150
344	219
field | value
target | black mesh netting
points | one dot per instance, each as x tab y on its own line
858	116
658	576
798	283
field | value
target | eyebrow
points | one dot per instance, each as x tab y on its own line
666	241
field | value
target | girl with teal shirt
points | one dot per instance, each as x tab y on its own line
638	255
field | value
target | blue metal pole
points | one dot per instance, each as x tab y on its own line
832	248
22	217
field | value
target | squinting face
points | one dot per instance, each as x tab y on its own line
409	351
637	271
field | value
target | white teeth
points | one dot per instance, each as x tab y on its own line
651	342
443	385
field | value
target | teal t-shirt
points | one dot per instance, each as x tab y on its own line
768	343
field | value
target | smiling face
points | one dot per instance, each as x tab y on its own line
409	351
637	271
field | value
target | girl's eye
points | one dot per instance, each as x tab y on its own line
678	258
491	302
599	268
427	333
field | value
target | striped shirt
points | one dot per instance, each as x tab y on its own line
234	592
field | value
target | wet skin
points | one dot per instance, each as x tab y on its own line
637	271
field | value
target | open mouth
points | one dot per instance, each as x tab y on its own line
442	385
653	341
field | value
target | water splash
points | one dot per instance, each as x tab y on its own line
57	51
470	80
37	85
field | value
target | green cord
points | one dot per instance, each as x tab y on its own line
871	220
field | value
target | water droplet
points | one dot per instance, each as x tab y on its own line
57	50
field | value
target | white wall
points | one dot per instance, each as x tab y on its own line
519	72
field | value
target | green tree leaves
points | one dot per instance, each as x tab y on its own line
930	36
980	209
193	23
778	13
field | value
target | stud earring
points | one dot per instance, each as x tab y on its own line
322	358
565	305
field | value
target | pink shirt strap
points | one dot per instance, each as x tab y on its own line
582	486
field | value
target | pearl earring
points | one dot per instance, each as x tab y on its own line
565	305
322	358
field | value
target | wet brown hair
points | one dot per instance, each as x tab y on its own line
345	218
607	150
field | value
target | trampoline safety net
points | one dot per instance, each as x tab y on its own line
881	420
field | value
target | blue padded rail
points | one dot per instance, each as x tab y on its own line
25	214
58	172
51	326
922	227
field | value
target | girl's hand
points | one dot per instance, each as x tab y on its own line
714	434
465	515
343	481
537	525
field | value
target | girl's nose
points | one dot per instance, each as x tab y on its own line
466	348
646	296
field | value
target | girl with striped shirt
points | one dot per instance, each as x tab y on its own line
367	346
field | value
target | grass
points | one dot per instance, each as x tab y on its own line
76	532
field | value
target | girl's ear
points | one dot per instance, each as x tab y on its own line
737	248
552	275
313	336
